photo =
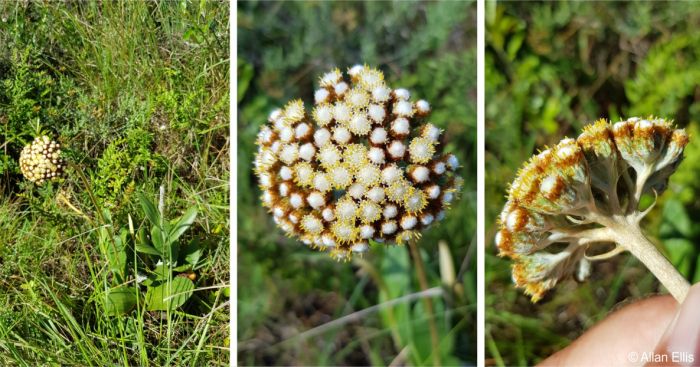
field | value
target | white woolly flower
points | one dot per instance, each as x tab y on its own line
341	135
342	112
423	107
402	94
296	200
400	127
346	210
368	175
316	200
376	155
323	114
389	227
340	88
322	183
355	70
452	162
420	174
397	149
286	134
289	153
307	151
331	78
391	174
421	150
302	130
376	113
321	96
359	124
356	191
378	136
390	211
408	222
433	191
357	98
340	177
329	156
321	137
381	94
366	232
439	168
376	194
403	108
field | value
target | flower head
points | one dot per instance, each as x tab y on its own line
41	160
363	164
578	193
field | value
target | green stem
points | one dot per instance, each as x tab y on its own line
423	282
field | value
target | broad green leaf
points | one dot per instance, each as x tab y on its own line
191	253
107	216
157	239
161	272
120	300
169	295
149	209
182	224
147	249
182	268
116	253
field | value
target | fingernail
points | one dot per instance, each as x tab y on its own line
681	343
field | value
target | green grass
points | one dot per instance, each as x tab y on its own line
137	94
551	68
297	306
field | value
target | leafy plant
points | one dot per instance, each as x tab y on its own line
162	243
168	264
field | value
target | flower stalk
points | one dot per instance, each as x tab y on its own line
629	236
423	282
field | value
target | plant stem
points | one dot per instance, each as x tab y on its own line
423	282
628	235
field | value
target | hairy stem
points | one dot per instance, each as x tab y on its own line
423	282
628	235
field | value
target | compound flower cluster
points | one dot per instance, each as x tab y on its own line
362	165
41	160
565	197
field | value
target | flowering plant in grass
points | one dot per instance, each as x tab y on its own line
364	164
585	192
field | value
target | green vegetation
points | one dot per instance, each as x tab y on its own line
124	260
297	306
551	68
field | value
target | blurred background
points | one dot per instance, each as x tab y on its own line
288	294
551	68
